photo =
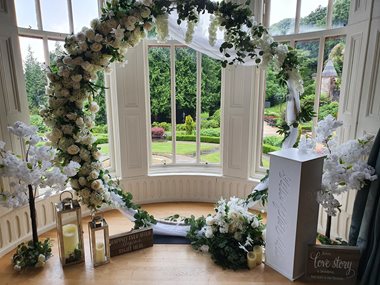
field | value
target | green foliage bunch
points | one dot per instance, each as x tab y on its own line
31	255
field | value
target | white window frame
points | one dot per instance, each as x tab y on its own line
45	36
257	170
197	166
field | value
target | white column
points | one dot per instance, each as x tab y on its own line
294	180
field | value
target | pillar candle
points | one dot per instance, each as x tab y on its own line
99	252
70	239
255	257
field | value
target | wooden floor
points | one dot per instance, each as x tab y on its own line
160	264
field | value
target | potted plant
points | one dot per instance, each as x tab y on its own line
36	168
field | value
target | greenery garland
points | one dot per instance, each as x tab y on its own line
71	110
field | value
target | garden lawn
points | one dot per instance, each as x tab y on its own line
104	149
182	148
211	157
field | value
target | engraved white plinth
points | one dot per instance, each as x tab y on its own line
294	179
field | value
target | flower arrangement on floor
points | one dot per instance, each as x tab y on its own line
37	168
229	234
345	167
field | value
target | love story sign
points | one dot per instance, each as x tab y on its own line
333	263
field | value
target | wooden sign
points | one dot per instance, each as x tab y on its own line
130	241
333	263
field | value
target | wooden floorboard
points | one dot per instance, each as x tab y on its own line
160	264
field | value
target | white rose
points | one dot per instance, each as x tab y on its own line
90	34
56	133
145	13
94	107
96	184
96	154
79	122
85	193
82	181
96	47
73	149
98	38
93	175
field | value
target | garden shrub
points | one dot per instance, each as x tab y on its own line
37	121
269	148
192	138
101	138
213	132
273	140
100	129
189	125
158	133
166	126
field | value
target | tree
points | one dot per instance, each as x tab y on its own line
35	81
100	98
284	27
159	81
211	85
186	83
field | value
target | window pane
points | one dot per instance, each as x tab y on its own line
282	17
308	51
331	76
341	10
186	97
83	12
35	79
26	14
54	16
100	131
56	49
313	15
160	105
210	110
274	108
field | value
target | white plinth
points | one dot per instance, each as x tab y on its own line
294	179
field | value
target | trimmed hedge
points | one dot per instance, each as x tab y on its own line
269	148
192	138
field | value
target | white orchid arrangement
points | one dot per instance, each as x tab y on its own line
345	166
38	168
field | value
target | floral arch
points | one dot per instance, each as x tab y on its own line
123	24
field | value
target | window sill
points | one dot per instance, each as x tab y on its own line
205	170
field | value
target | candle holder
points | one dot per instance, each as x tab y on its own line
99	240
69	230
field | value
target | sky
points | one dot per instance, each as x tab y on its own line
55	17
